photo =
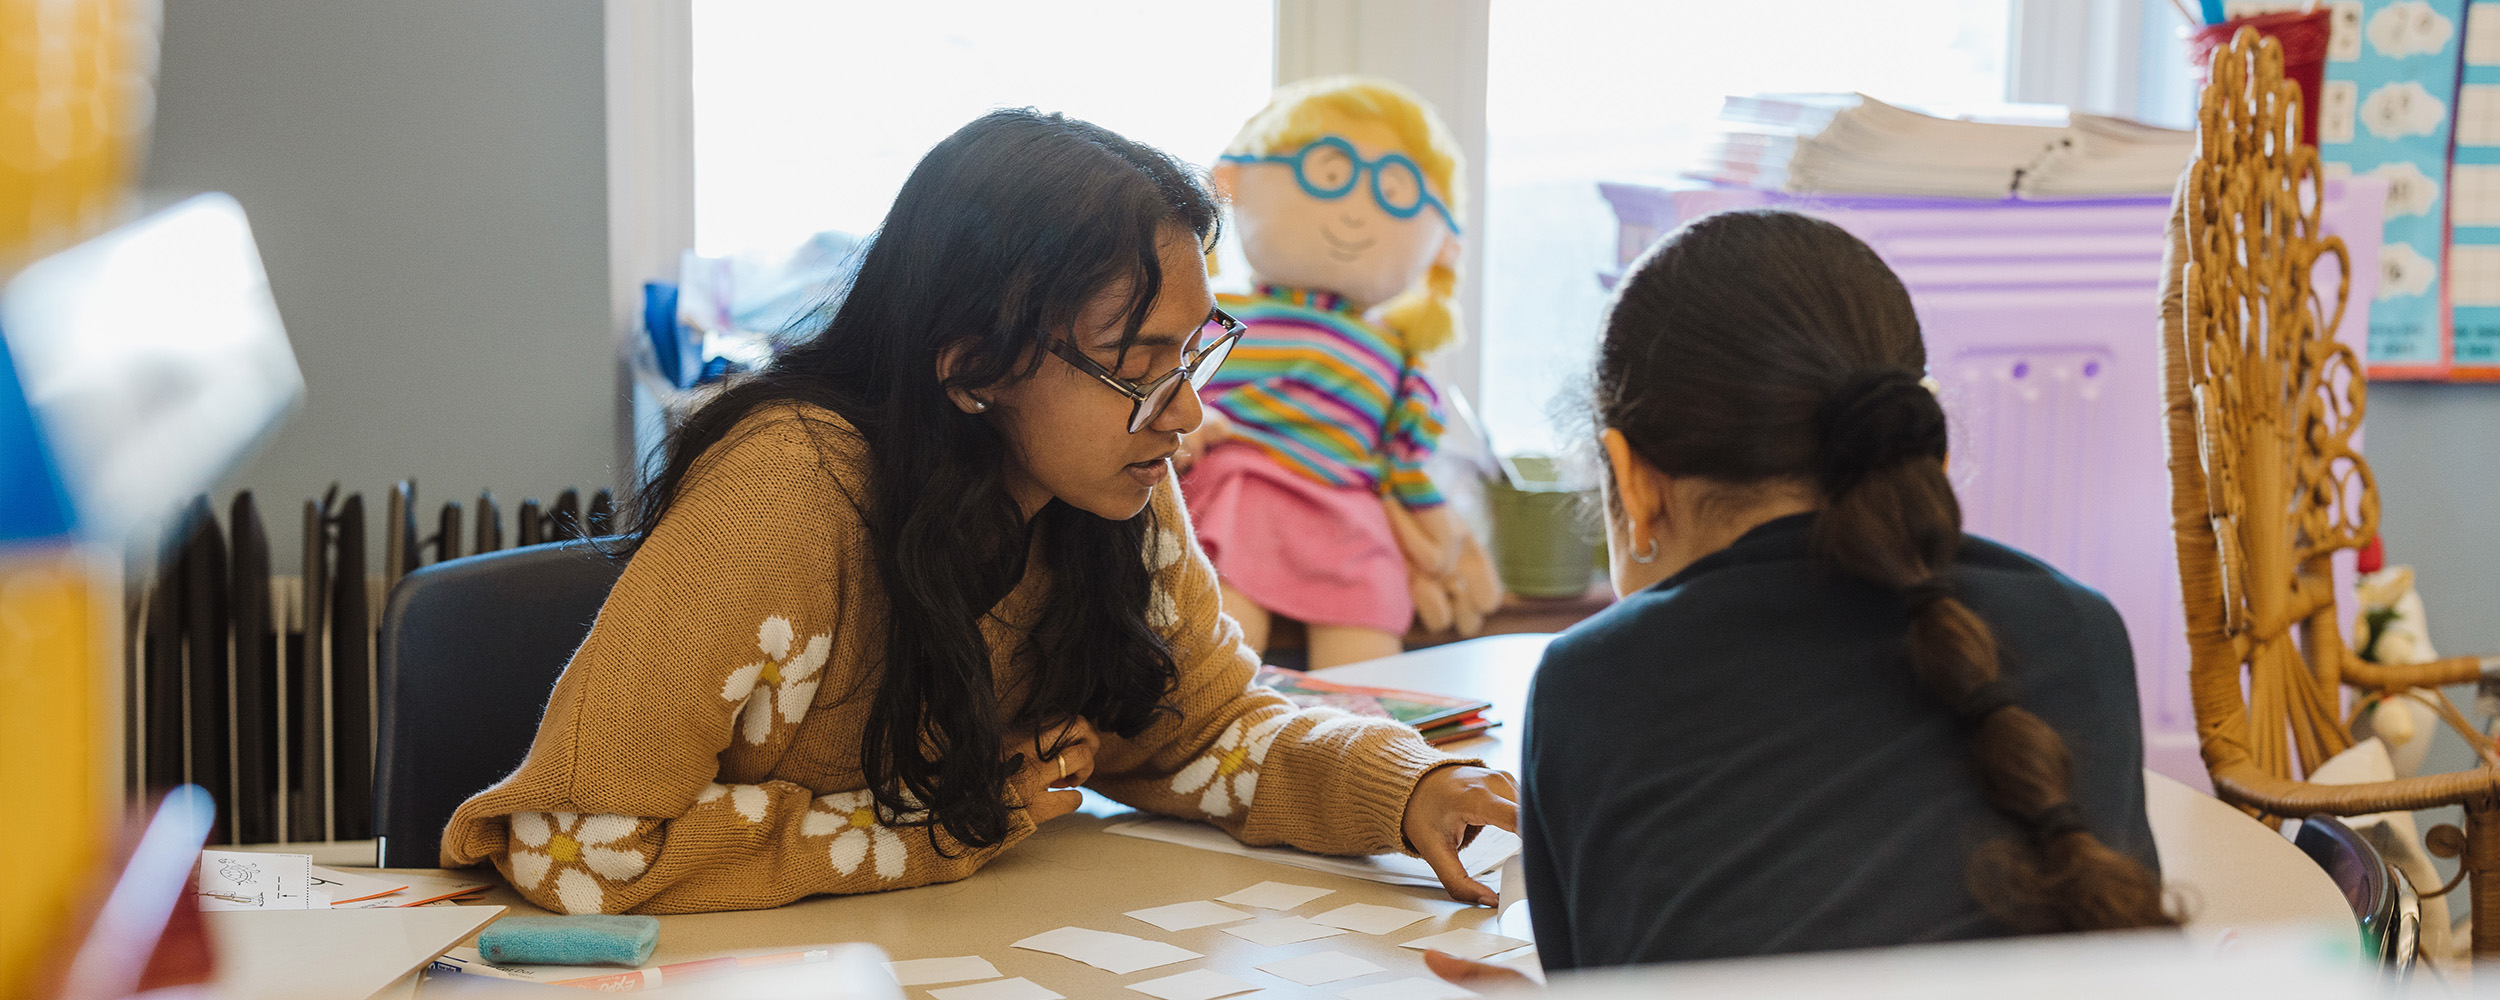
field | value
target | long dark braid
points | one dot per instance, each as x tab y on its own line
1890	518
1764	346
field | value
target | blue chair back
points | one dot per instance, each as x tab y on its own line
470	649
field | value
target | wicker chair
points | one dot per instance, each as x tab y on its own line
2262	403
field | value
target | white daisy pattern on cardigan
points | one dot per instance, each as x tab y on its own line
570	847
749	801
786	675
1228	776
850	818
1163	548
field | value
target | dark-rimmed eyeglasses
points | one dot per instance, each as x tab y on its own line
1148	398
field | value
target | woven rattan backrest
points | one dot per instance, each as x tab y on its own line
2262	406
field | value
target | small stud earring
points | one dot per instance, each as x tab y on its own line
979	405
1648	556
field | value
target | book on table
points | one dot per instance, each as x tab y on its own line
1441	718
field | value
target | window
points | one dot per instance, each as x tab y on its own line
809	115
1579	91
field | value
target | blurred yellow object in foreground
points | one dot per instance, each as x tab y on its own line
57	737
76	100
77	81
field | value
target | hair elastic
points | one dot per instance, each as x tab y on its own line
1875	420
1983	701
1929	591
2057	821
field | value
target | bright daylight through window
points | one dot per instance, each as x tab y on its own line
1581	91
809	115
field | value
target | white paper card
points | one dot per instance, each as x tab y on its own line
1004	989
236	880
1279	933
1275	895
1320	967
1114	953
923	971
1410	988
1466	943
1202	984
1492	846
1183	916
1369	918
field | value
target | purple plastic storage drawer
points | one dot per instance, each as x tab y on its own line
2042	324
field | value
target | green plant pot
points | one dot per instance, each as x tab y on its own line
1539	544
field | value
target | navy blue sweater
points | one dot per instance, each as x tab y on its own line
1737	761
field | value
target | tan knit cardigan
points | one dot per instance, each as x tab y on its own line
702	750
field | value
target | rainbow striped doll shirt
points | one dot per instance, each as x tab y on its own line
1328	395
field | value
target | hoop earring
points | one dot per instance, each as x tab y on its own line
1649	556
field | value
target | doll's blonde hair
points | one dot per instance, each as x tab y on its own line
1426	317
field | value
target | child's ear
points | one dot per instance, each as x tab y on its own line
1223	177
1452	248
1635	488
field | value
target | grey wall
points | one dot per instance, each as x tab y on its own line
427	185
2436	452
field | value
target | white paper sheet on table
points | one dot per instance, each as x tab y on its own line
1185	916
1201	984
1004	989
1320	967
340	888
1370	918
422	890
243	880
326	954
923	971
1410	988
1466	943
1279	933
1275	895
1118	954
1493	846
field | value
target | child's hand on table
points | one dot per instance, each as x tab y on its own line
1478	975
1446	809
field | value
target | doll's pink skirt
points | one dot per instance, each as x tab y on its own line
1322	555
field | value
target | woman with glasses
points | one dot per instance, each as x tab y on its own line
1307	483
894	597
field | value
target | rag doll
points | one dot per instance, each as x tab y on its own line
1306	483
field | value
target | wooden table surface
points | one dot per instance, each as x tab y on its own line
2235	873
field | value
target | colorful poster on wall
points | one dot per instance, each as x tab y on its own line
2387	109
2474	202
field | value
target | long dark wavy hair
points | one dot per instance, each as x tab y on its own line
1001	236
1755	347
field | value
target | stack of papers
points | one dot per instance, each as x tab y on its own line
1855	144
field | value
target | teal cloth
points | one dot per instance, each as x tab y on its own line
590	940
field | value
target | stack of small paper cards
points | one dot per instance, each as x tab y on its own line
1122	954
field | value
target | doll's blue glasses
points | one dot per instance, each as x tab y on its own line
1329	168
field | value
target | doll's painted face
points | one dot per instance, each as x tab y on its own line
1349	244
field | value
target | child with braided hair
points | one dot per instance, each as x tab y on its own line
1961	756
